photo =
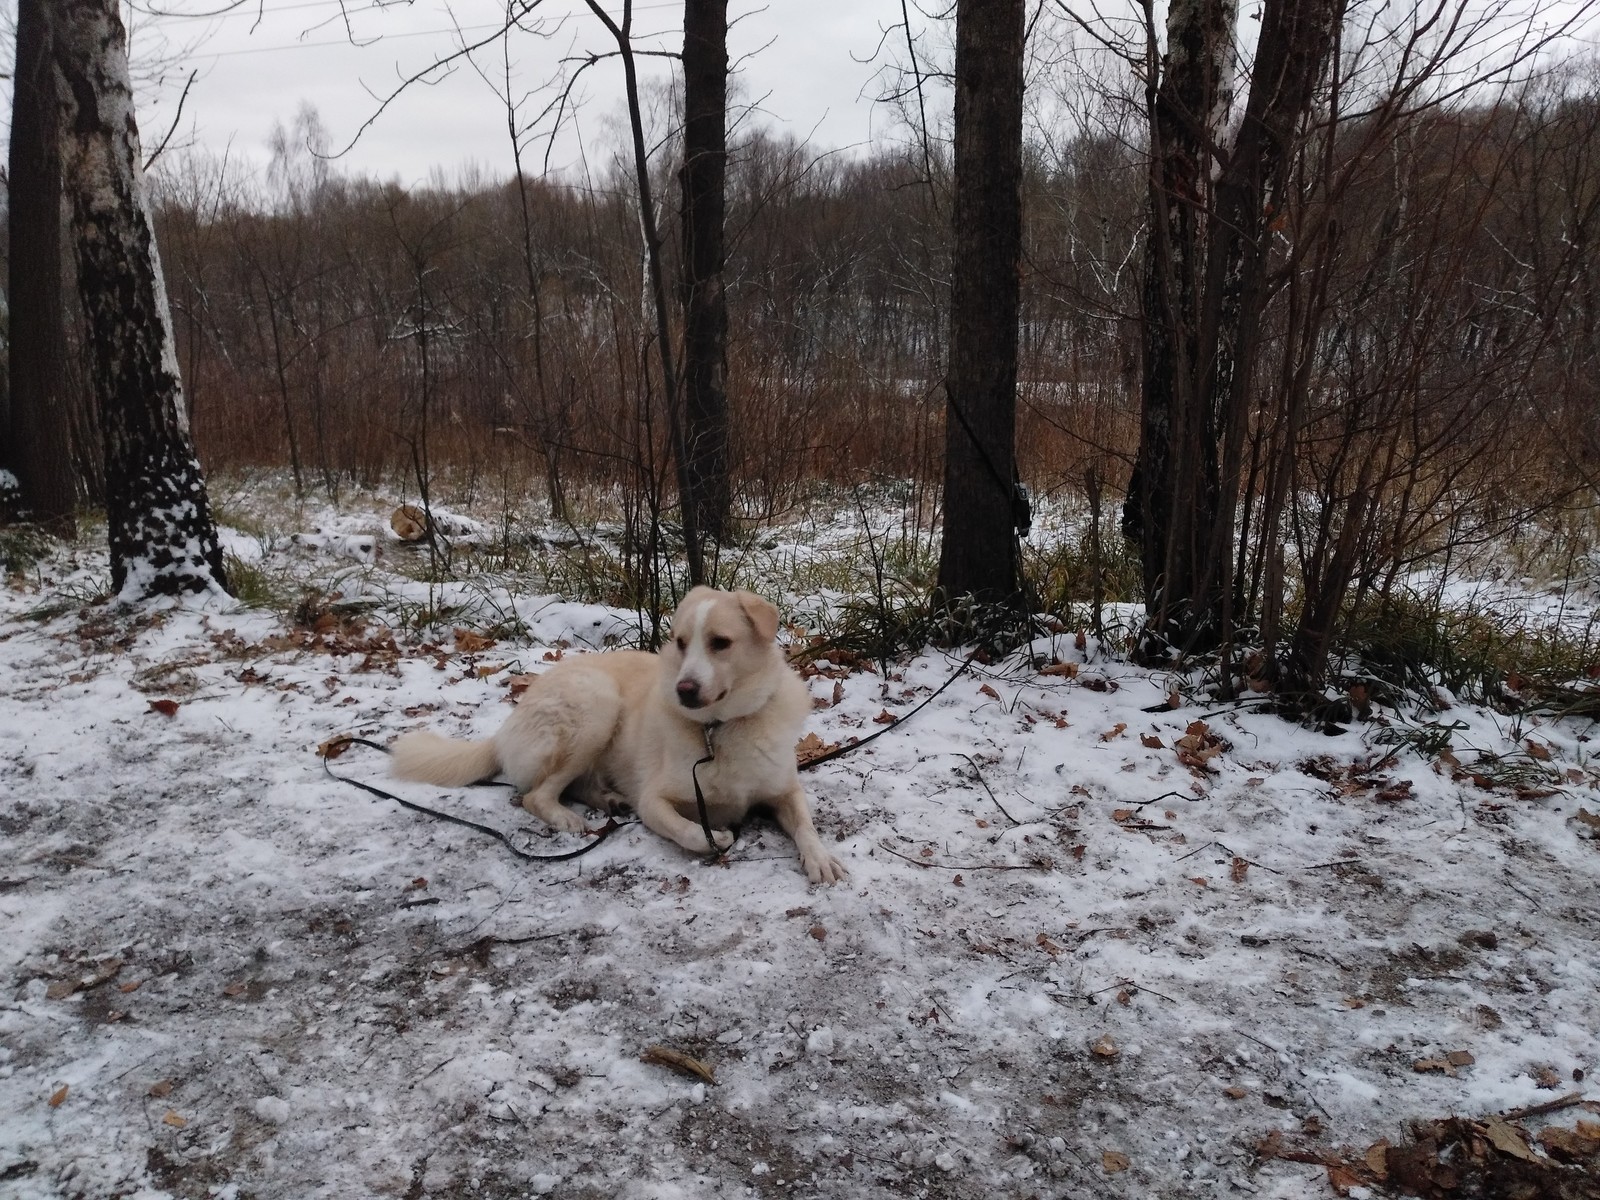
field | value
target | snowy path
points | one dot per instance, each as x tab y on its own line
294	990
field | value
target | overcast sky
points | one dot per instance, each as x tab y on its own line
809	62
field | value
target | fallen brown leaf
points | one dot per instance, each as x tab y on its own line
665	1056
1234	1092
1377	1159
159	1089
468	642
58	1096
1342	1179
1239	869
1115	731
334	746
174	1120
167	708
1104	1047
1151	742
1112	1161
1506	1139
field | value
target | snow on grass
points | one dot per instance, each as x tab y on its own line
1058	941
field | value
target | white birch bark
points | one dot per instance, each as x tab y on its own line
163	539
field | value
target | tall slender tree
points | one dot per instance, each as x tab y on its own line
705	304
163	540
1213	207
39	443
979	554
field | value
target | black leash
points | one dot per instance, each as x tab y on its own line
713	852
610	827
841	751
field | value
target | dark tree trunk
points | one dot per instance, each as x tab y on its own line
705	305
978	557
1205	290
40	438
163	540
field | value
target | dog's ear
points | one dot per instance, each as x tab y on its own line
762	615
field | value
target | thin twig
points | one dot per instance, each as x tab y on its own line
973	764
1549	1106
922	862
176	117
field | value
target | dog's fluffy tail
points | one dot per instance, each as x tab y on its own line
446	762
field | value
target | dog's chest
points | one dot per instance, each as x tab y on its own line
743	771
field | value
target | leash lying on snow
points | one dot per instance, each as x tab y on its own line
610	827
714	851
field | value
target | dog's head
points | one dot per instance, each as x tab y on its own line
722	661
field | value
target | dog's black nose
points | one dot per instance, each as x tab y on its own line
689	694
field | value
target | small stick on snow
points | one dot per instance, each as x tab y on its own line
987	788
1549	1106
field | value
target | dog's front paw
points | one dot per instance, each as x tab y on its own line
564	820
823	867
722	837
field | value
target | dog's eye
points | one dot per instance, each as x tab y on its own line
683	643
720	643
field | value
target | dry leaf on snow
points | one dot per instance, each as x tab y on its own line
665	1056
167	708
334	746
57	1096
1506	1139
1113	1161
812	747
1115	731
468	642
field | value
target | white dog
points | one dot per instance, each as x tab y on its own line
626	727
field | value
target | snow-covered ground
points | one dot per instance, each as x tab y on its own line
1077	955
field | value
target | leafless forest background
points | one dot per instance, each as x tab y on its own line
1427	385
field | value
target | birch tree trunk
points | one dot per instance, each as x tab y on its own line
978	556
163	540
1213	210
